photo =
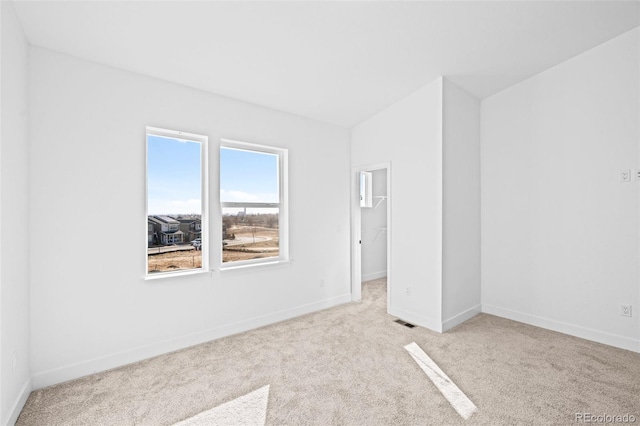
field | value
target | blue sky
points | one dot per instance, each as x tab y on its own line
174	181
248	176
173	173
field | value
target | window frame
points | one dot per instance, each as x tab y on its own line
282	204
203	140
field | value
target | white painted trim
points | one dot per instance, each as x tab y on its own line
356	231
95	365
250	146
232	266
389	234
417	319
566	328
19	404
356	238
374	276
458	319
203	140
283	194
174	274
175	134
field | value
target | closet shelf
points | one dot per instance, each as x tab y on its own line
380	231
380	199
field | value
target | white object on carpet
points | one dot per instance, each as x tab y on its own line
250	409
454	395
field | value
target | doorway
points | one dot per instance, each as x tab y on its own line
371	226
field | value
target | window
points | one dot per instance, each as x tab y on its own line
366	199
253	199
176	199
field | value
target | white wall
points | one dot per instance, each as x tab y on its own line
559	232
461	206
374	240
15	383
91	308
409	135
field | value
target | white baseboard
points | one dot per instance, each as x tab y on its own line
19	404
70	372
417	319
460	318
374	276
566	328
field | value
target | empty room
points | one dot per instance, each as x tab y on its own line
319	212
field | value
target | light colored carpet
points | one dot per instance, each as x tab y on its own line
248	410
347	366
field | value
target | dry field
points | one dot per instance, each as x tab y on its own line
242	247
175	261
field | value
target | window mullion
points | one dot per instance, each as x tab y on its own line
229	204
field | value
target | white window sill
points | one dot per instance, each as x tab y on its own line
163	275
225	269
254	266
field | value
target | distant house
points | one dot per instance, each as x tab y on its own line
151	235
166	230
192	227
195	229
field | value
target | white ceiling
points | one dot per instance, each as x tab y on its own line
337	62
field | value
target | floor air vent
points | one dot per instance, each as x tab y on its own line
406	324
